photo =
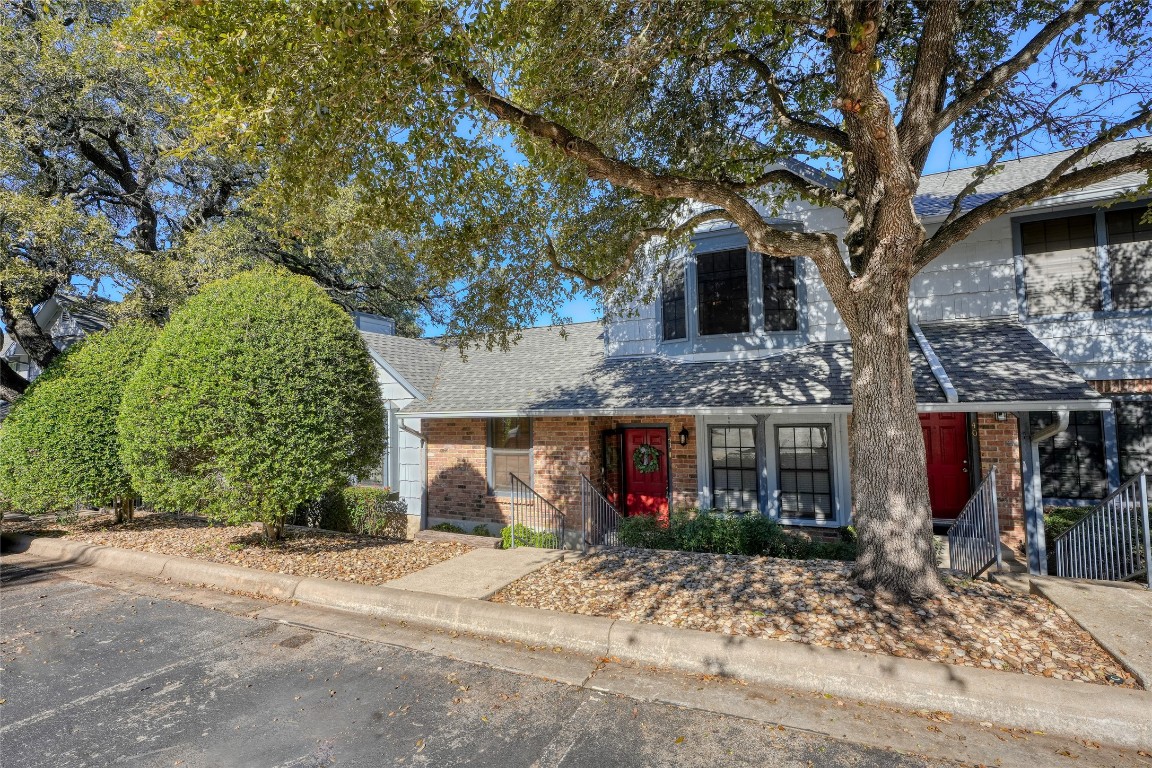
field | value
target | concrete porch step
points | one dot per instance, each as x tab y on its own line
445	537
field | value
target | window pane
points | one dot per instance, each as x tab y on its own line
804	468
1060	268
1134	434
1072	463
510	434
779	293
734	475
1130	258
506	464
722	287
673	311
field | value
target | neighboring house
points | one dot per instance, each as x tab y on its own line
738	374
67	319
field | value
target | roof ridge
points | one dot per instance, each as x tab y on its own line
1029	157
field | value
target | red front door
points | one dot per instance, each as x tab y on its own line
646	492
946	448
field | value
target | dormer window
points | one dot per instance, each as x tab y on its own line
722	288
673	305
779	280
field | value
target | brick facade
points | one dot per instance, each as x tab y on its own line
999	443
1123	386
563	448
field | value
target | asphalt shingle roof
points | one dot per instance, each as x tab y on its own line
937	191
417	360
988	361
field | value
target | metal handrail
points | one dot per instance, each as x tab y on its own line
974	539
1110	543
599	518
542	518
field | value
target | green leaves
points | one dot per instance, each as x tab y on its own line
258	395
60	445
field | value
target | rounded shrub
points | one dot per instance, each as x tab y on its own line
59	445
259	395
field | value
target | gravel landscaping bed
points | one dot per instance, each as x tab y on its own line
975	624
303	552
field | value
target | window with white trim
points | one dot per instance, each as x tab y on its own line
735	481
1089	262
778	277
1134	435
673	304
509	453
804	469
1072	464
722	291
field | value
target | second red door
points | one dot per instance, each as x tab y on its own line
646	482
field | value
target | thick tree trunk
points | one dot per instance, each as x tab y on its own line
889	480
12	384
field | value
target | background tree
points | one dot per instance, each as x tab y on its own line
98	190
59	446
257	396
634	121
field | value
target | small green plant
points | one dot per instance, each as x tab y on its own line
69	516
481	530
236	546
447	528
528	537
731	533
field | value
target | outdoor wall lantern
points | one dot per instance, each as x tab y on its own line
683	435
1000	416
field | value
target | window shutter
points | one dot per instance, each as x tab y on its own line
1060	268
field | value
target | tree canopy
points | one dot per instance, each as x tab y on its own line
257	396
59	445
519	145
99	188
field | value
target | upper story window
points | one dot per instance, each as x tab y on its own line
722	290
1129	258
1087	263
510	453
673	305
779	279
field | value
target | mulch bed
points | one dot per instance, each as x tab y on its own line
975	624
302	552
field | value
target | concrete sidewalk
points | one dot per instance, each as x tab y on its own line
1118	616
478	574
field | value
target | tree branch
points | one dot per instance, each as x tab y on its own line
1008	69
784	118
949	234
644	236
661	186
926	88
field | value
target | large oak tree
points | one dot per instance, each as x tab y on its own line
509	137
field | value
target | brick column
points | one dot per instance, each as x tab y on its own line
1000	448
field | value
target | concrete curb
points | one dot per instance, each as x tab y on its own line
1071	709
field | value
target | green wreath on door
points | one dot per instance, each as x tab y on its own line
646	459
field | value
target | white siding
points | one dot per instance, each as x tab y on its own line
405	452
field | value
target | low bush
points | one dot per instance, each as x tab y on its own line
357	509
447	528
528	537
481	530
729	533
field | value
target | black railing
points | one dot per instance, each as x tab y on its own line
600	520
536	522
974	539
1111	542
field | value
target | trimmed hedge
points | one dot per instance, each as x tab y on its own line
60	446
694	530
259	395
